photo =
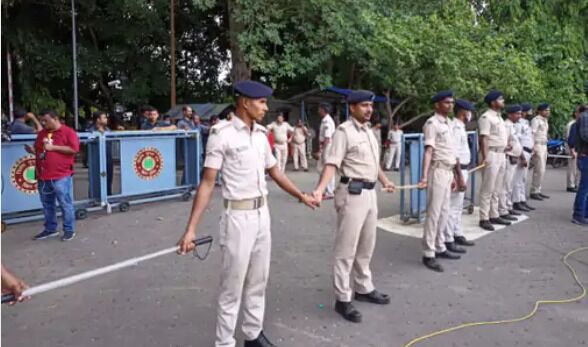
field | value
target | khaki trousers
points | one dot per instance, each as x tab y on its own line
540	161
355	239
392	155
572	175
300	155
506	197
492	185
438	195
245	243
281	155
453	227
320	164
519	186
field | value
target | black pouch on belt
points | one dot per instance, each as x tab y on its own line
513	160
355	187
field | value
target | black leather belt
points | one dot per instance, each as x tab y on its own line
464	166
366	184
528	150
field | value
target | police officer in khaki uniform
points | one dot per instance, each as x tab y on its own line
282	132
540	128
454	235
299	145
513	155
240	150
326	132
493	143
523	131
441	174
355	155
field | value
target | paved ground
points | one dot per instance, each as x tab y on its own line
170	301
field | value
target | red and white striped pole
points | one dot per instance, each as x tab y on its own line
10	94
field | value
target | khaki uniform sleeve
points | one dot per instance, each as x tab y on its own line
329	130
269	159
534	125
338	149
430	133
214	151
484	126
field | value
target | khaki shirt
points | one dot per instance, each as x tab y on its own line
540	127
299	135
460	137
523	132
327	129
492	125
438	135
242	156
355	151
280	131
395	136
513	139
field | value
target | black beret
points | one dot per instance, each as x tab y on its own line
442	95
526	106
492	95
358	96
513	108
461	104
252	89
542	107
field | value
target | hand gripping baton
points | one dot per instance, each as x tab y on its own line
101	271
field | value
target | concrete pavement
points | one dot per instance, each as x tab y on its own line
170	301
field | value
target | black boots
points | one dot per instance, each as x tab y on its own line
260	341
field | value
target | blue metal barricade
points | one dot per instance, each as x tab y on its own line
20	198
413	144
119	169
418	198
148	166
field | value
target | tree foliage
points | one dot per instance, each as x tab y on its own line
533	50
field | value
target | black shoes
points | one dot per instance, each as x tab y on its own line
518	206
347	311
543	196
499	221
452	247
486	225
432	264
536	197
525	205
514	213
374	297
572	190
508	217
462	241
447	255
260	341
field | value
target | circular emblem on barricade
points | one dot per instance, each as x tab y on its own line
148	163
22	175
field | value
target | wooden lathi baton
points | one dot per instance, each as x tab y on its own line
100	271
416	186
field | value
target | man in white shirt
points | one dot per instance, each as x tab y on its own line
453	231
282	132
326	132
393	151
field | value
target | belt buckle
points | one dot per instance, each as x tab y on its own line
256	204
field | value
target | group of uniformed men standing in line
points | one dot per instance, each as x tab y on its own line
506	149
240	151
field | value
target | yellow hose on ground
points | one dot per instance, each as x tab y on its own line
514	320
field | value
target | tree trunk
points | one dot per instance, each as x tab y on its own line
392	113
240	70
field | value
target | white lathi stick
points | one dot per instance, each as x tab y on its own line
100	271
